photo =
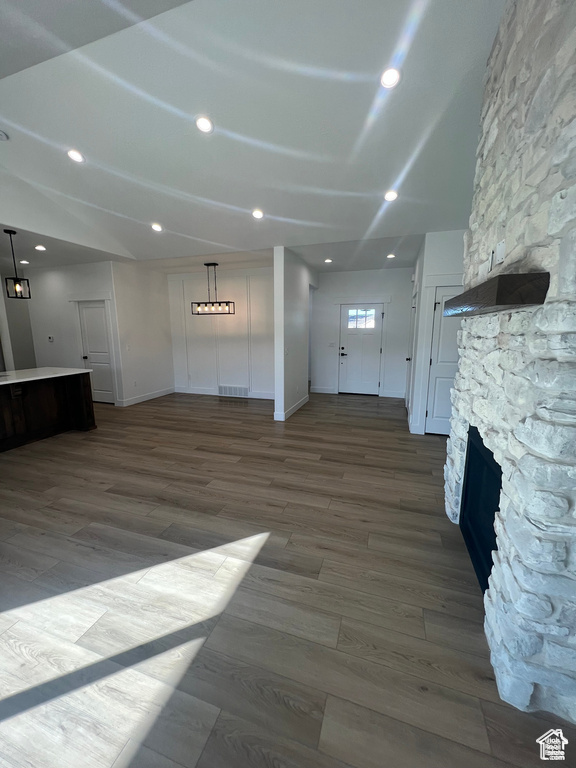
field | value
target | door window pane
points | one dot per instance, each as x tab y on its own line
361	318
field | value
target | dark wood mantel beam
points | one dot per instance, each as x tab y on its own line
503	292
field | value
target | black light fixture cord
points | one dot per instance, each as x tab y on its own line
13	257
215	285
208	279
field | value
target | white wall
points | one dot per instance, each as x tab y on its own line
144	337
444	253
442	263
6	358
17	317
235	350
393	287
136	301
292	281
54	312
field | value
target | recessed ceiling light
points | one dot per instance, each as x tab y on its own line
204	124
78	157
391	256
390	78
157	227
24	262
40	247
391	195
328	261
257	213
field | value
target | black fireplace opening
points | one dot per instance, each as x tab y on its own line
480	500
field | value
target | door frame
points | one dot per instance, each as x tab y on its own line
412	352
436	317
382	340
112	331
423	347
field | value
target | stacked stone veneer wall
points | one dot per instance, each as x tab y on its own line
517	374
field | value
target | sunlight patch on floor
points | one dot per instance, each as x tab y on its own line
87	673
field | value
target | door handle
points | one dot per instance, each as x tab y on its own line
343	354
84	357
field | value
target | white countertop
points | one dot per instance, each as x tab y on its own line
33	374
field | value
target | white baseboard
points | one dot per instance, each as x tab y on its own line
389	393
416	428
142	398
283	415
214	392
324	390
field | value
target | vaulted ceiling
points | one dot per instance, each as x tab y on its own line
303	129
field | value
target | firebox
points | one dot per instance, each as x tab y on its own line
480	499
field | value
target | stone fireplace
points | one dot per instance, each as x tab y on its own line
516	382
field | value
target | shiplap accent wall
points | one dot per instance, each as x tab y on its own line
232	351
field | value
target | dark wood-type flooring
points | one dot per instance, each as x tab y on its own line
193	584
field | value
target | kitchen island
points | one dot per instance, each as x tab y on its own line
39	402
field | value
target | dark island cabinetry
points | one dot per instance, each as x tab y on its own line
34	405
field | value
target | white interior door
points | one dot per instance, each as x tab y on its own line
96	349
360	348
443	363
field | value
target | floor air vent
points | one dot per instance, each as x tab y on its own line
233	391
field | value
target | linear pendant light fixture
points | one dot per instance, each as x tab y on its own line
16	287
213	307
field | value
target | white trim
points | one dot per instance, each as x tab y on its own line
387	393
437	281
422	366
100	296
142	398
324	390
201	390
261	395
283	415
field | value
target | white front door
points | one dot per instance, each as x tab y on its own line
443	363
96	349
360	348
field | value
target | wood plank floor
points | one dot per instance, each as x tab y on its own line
193	584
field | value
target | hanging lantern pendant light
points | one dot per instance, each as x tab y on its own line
16	287
213	307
